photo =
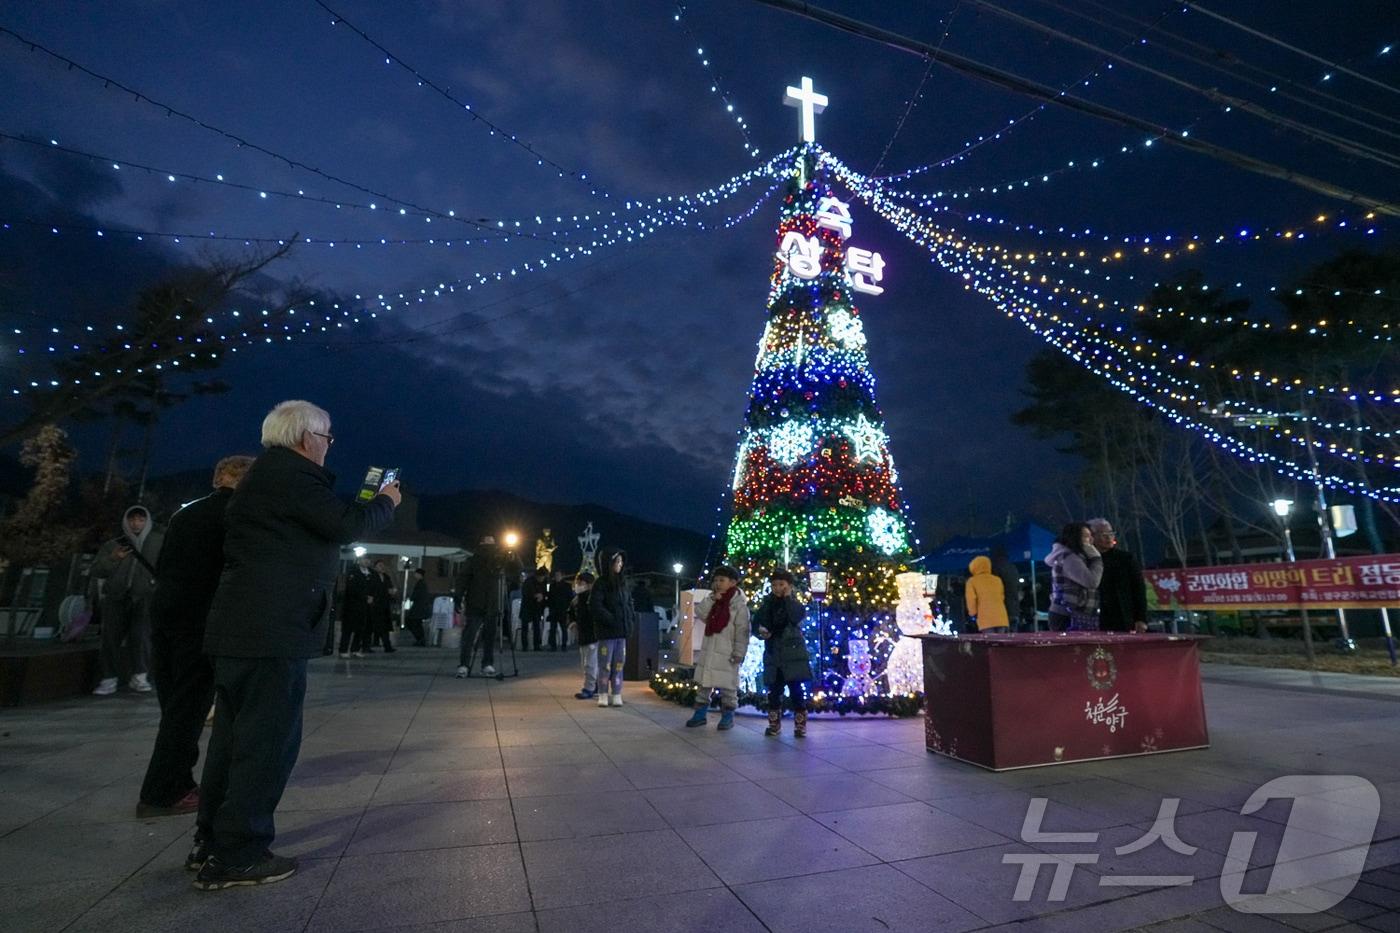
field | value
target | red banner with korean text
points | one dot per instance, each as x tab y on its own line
1344	583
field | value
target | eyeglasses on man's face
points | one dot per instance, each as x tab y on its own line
330	438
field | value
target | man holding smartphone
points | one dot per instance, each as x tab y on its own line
285	527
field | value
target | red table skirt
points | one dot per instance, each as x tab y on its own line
1019	701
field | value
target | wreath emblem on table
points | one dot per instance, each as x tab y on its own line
1102	670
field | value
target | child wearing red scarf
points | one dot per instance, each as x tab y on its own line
725	613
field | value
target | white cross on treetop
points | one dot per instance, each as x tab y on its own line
810	103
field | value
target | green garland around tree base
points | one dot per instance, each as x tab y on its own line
671	687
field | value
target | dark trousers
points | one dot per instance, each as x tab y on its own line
254	746
126	636
415	628
797	693
486	627
558	635
354	634
529	627
329	646
184	681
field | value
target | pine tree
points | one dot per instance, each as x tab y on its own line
814	486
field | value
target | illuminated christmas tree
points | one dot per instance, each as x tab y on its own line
814	486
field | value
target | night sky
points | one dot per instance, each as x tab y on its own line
620	378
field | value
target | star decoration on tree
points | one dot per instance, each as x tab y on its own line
867	438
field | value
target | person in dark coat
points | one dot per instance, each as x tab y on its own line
561	594
420	608
481	590
187	575
614	618
786	663
1122	591
1010	583
385	608
581	622
124	565
534	599
285	527
357	610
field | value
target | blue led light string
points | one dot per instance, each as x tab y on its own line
890	211
171	111
1148	373
1023	311
1185	391
716	84
266	330
504	228
460	105
1012	124
1061	334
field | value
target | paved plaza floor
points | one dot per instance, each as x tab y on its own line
426	803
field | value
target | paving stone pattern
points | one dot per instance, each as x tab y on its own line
424	802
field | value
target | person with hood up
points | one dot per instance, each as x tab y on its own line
614	618
985	596
786	663
726	615
126	565
1076	568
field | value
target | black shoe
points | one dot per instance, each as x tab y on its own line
390	650
197	857
216	876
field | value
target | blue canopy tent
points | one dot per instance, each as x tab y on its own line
1027	543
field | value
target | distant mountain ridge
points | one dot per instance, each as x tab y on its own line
470	514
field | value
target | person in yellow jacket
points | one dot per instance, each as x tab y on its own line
986	598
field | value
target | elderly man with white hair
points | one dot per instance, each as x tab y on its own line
285	527
1122	590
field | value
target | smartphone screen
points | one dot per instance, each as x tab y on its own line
391	475
374	478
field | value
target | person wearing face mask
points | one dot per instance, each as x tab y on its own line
726	615
581	627
284	528
786	663
1076	568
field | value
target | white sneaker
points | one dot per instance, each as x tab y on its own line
140	684
106	688
603	699
357	654
489	670
462	671
616	700
345	654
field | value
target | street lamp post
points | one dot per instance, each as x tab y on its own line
1281	508
678	568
